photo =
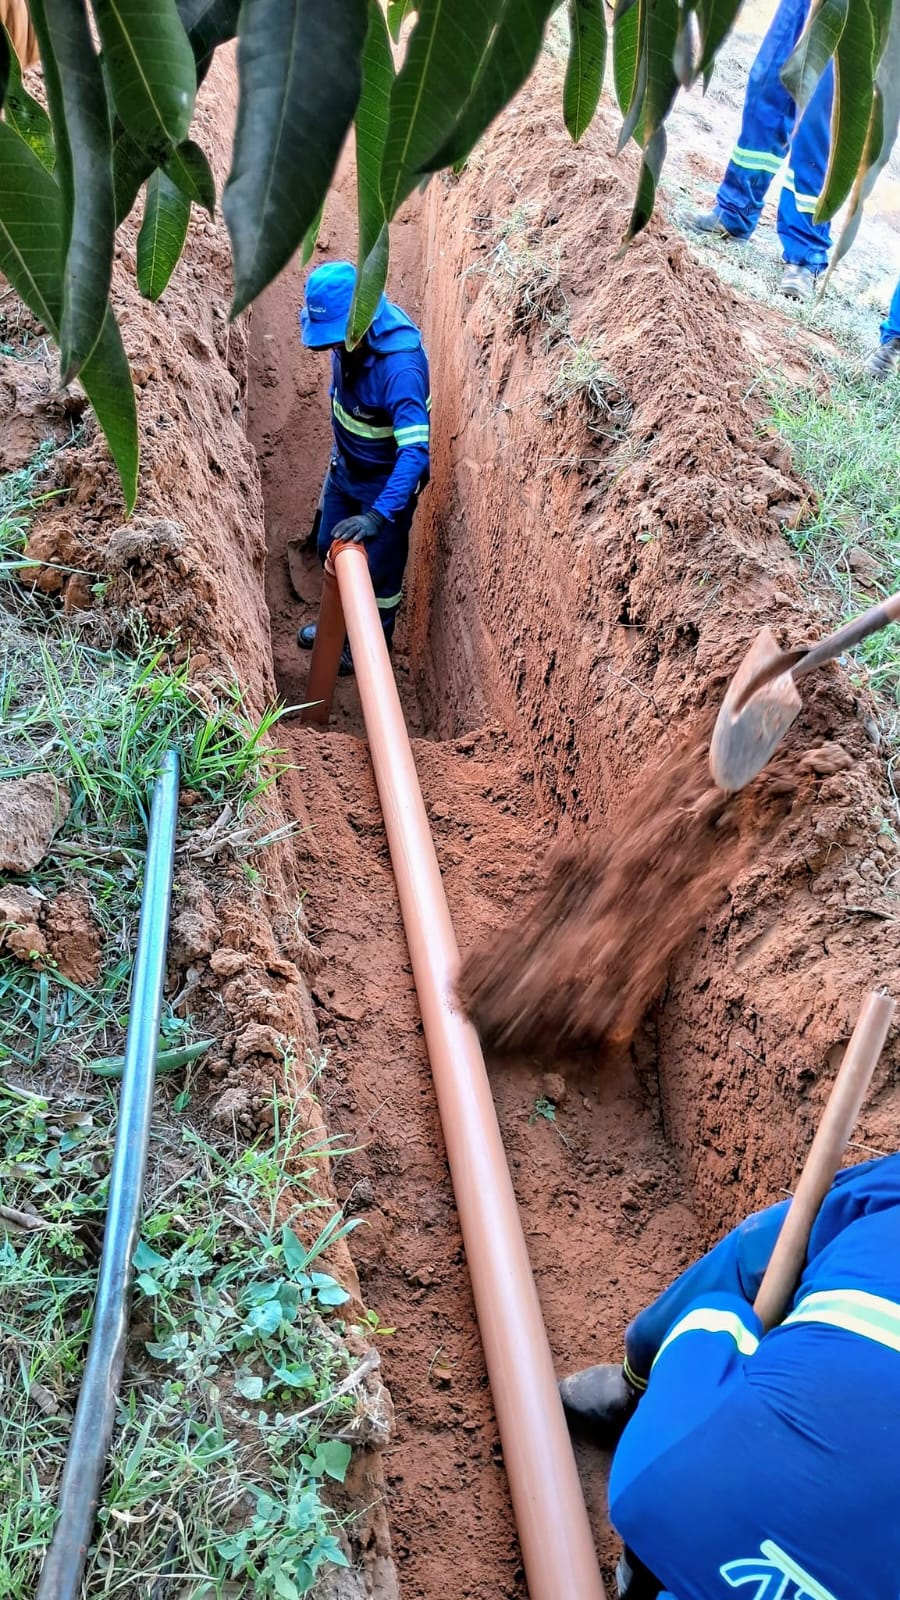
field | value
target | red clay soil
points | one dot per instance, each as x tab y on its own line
580	589
598	942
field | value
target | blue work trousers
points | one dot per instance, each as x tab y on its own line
772	131
890	329
387	552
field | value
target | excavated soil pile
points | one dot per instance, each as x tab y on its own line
595	948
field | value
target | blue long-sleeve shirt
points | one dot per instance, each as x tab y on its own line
763	1464
381	415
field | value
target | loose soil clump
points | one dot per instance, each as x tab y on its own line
597	944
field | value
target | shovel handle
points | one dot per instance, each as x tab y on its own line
872	621
827	1150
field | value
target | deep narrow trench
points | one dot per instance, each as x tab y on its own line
600	1198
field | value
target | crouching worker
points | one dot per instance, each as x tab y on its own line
763	1464
380	405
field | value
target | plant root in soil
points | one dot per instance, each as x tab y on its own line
594	950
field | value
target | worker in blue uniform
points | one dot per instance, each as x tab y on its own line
380	415
763	1464
770	132
886	356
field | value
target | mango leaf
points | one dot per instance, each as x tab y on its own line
372	116
25	114
299	73
397	12
651	166
684	48
31	230
506	63
311	236
150	68
715	19
884	122
630	71
131	166
662	79
189	170
107	383
167	213
80	115
814	49
586	65
208	23
854	89
443	59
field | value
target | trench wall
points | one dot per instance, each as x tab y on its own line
589	572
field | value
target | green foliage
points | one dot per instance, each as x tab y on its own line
372	118
815	48
121	115
299	72
164	229
239	1388
586	66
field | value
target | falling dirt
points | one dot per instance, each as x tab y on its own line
599	940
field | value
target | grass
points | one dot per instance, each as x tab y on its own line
22	494
101	721
584	378
845	441
239	1404
524	272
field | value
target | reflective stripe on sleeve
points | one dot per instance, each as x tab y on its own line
389	602
418	434
710	1320
854	1310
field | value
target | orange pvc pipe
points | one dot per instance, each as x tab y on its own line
557	1546
326	654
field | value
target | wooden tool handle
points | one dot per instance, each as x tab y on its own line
838	1120
872	621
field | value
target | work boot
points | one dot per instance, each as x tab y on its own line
709	222
798	283
598	1402
883	360
306	638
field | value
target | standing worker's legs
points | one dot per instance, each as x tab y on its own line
806	243
884	360
768	119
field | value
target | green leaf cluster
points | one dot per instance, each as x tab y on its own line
417	82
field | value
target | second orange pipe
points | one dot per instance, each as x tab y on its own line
557	1547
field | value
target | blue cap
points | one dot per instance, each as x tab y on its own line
326	305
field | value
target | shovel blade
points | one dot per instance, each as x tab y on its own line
752	722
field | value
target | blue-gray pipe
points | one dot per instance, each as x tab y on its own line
95	1414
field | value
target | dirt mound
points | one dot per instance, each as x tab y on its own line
598	942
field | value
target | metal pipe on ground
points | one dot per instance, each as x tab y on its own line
95	1413
557	1547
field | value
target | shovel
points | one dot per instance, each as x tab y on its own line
298	548
762	699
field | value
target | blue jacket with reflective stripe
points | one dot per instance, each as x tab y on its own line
381	414
763	1465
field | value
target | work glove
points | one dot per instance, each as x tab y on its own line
360	529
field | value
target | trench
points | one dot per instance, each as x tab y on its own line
602	1204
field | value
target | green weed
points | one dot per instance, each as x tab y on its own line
238	1404
845	441
583	378
524	273
101	721
22	494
